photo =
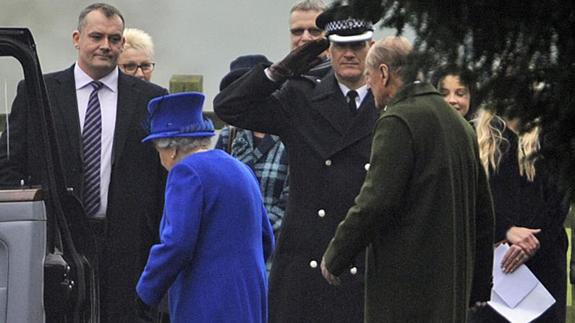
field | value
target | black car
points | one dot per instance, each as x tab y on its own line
44	275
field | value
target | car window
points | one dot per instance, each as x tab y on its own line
10	75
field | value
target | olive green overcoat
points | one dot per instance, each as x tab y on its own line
424	213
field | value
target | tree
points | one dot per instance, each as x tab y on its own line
523	53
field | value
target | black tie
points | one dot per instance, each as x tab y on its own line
351	95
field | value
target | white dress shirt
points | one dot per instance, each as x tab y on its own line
361	93
108	97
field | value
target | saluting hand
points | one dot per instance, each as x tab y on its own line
299	60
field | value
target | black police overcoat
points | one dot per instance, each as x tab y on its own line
329	149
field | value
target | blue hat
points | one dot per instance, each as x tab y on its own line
240	66
178	115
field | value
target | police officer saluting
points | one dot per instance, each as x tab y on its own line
326	126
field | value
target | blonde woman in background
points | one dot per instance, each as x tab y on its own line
529	210
137	58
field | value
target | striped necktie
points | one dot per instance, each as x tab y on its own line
91	143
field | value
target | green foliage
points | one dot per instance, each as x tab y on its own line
522	52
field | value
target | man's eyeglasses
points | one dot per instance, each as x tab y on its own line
312	31
132	67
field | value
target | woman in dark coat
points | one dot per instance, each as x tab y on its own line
529	210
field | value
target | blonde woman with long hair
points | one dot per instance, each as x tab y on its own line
529	209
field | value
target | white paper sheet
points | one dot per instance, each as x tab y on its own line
512	288
518	296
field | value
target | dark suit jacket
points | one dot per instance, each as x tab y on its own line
136	186
425	212
328	149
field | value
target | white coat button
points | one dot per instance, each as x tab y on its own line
321	213
353	270
328	162
366	166
313	264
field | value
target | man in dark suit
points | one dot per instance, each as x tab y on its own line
425	211
328	138
99	114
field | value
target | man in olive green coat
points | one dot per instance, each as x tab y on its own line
424	211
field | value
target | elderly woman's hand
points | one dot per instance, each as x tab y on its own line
524	238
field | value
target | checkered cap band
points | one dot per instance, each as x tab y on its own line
349	26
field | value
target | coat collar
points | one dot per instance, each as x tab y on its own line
361	125
412	89
125	112
67	104
245	149
328	99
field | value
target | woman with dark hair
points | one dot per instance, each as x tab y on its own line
215	235
457	85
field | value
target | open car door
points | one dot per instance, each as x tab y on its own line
45	274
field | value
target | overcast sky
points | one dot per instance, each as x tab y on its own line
191	36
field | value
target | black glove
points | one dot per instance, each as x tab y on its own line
299	60
144	311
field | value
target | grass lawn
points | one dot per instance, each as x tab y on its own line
570	287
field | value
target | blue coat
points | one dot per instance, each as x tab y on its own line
215	237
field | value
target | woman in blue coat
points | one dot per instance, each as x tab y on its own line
215	235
